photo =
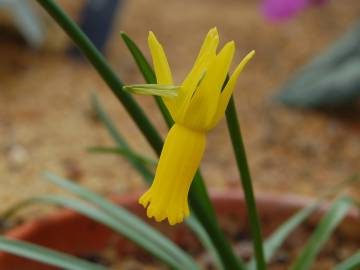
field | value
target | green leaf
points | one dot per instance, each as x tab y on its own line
339	86
205	240
45	255
119	140
246	182
107	122
147	73
192	222
126	152
169	91
26	19
138	227
127	225
273	243
119	213
351	263
279	236
322	233
139	58
329	79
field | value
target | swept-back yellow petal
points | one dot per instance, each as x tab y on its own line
207	45
204	103
206	55
161	65
162	69
229	88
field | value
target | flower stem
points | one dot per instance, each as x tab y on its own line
206	215
199	197
243	167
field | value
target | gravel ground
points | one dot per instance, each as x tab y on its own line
46	121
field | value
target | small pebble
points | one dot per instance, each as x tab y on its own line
17	156
72	169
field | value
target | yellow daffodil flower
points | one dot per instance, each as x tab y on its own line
198	106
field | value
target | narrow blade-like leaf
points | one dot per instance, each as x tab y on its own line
351	263
278	237
125	152
26	19
145	236
238	146
118	138
192	222
139	58
45	255
203	237
272	244
148	74
169	91
322	233
121	214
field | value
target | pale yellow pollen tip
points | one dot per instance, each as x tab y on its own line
229	47
152	36
214	32
248	57
231	44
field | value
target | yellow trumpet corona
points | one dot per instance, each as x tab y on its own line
199	105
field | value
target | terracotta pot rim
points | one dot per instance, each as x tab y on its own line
70	232
289	200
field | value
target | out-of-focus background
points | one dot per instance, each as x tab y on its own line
46	120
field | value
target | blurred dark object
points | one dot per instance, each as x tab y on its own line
22	14
331	80
97	19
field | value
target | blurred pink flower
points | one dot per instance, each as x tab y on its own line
277	10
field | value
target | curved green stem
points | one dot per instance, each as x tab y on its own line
242	163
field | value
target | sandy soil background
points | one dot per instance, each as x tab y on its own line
46	121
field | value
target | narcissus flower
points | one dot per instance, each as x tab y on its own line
198	105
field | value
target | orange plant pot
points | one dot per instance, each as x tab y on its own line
72	233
